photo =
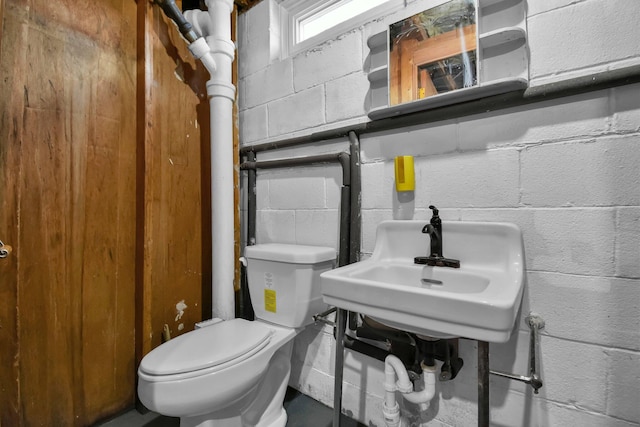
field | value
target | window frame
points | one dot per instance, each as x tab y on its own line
295	11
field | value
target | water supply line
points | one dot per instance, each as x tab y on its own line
393	367
209	36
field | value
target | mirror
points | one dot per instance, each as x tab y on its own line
433	52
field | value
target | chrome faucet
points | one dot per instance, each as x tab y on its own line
435	258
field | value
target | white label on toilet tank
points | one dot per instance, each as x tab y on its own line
268	280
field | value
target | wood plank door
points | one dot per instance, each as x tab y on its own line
68	208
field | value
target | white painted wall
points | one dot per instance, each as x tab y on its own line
567	171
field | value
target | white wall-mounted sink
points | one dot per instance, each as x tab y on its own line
480	300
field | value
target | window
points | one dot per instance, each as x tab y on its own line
311	22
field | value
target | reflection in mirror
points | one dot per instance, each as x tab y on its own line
433	52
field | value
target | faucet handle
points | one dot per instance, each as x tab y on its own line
435	219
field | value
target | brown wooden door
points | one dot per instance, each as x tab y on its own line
68	208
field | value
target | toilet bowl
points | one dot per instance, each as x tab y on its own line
235	373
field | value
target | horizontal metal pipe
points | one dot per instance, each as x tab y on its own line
563	88
342	158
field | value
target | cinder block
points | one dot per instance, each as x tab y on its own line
346	97
623	385
586	173
268	84
547	413
370	220
300	188
586	35
476	179
574	117
253	125
314	348
598	310
628	242
254	41
574	241
626	108
333	59
574	373
275	226
377	184
542	6
420	140
262	193
318	227
299	111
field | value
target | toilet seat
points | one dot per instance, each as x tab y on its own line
206	350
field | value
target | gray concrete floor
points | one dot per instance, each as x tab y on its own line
302	411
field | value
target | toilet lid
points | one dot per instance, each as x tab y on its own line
206	347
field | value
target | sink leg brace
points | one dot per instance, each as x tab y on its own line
535	323
341	324
483	384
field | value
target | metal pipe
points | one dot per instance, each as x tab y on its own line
293	161
483	384
568	87
345	193
355	217
345	200
252	201
356	185
172	11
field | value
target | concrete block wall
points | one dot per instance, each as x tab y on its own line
567	171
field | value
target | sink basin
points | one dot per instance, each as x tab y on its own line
480	300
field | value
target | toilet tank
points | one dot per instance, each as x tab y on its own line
284	281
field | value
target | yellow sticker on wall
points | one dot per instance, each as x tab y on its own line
270	300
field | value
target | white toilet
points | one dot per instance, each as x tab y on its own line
235	373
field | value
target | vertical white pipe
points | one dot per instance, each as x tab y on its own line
221	93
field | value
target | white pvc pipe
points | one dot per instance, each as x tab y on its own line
394	367
217	54
221	93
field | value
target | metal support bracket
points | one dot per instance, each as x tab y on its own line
322	317
535	323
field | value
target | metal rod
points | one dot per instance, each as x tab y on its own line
483	384
341	323
322	317
535	323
